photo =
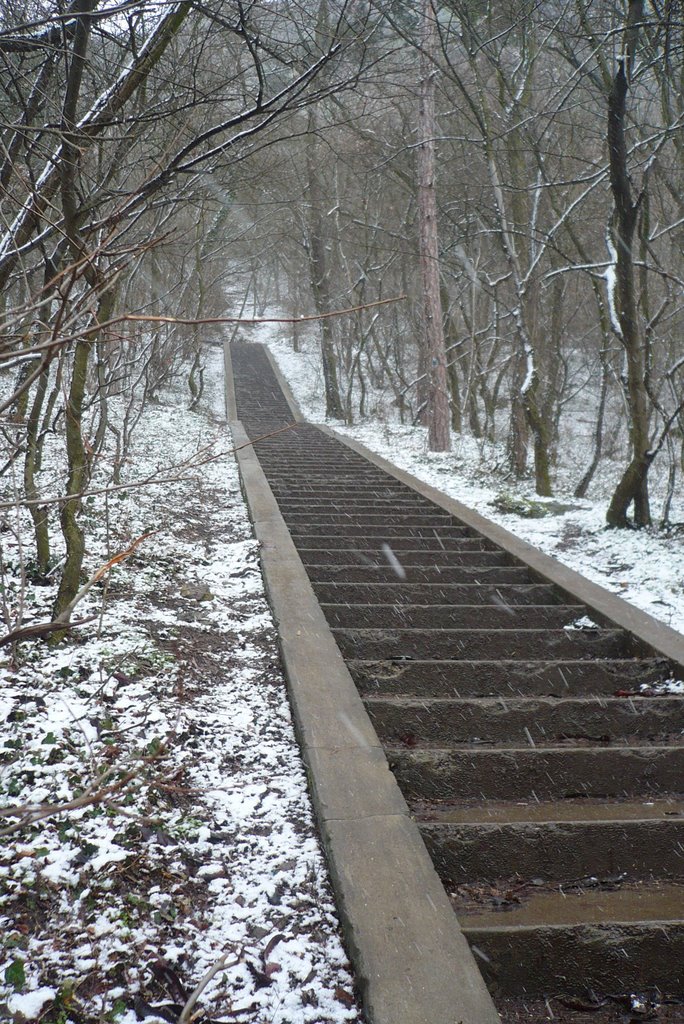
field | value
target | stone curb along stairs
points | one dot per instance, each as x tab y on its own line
499	684
412	962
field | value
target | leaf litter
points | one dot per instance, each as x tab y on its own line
158	859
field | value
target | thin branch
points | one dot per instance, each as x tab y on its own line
186	1014
202	321
62	622
194	462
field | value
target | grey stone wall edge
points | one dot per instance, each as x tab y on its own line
229	384
287	391
412	962
391	903
605	605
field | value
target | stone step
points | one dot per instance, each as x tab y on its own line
296	491
397	594
395	536
476	644
626	940
301	489
474	678
378	518
351	477
451	616
539	772
589	843
525	720
336	503
416	574
428	555
303	468
379	546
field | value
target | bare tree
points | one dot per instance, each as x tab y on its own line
82	203
438	418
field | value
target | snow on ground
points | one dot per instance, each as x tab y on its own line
188	858
183	863
644	567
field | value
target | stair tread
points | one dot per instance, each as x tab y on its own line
527	608
629	904
505	703
436	752
534	663
588	809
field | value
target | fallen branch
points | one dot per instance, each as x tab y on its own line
221	964
29	814
98	792
39	629
62	622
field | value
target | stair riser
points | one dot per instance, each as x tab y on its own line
348	479
364	499
482	616
609	958
436	594
382	534
544	774
496	575
555	852
340	505
456	722
360	540
298	490
431	557
490	678
378	518
475	645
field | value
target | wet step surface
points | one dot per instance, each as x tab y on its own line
545	773
448	616
434	678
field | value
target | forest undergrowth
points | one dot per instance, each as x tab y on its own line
158	859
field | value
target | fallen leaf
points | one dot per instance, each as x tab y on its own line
344	997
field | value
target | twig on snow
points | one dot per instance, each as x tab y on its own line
186	1014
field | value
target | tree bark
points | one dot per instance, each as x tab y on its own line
632	488
439	435
320	280
79	467
39	513
588	475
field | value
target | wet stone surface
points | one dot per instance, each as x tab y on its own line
577	747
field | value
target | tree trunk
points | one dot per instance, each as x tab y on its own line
439	436
632	488
79	460
588	476
39	513
320	284
73	534
518	424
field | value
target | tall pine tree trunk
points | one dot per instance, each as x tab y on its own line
319	267
439	435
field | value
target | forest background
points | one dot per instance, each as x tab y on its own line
509	173
493	194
